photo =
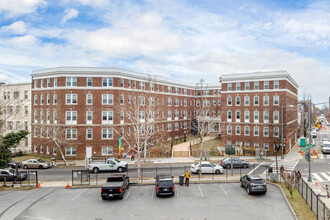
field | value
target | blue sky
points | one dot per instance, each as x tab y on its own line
184	40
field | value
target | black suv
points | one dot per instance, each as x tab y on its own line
164	185
253	183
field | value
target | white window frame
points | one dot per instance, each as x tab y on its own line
109	117
108	132
71	99
71	151
89	99
108	98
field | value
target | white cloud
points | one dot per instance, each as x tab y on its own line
17	27
12	8
69	14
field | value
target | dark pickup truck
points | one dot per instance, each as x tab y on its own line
115	187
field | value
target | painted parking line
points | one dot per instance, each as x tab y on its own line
79	194
31	217
129	191
255	168
200	190
223	189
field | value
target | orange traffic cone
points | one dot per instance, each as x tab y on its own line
67	186
38	185
316	184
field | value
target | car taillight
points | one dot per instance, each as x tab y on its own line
101	190
173	187
120	190
157	188
223	161
252	184
89	165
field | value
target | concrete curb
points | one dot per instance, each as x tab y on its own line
286	200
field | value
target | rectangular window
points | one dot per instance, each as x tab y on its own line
89	117
256	100
71	133
169	127
71	81
238	100
247	145
41	99
266	85
71	99
247	116
89	133
55	99
169	102
107	133
256	131
26	110
238	86
42	83
129	83
122	82
256	145
256	116
54	150
229	86
107	117
238	116
48	99
121	99
89	99
16	94
48	82
256	85
229	116
246	130
107	150
266	146
247	86
266	116
35	83
266	132
276	100
276	131
276	84
71	117
229	129
266	100
276	117
238	130
229	101
107	82
55	116
176	126
89	81
247	100
70	151
107	99
26	94
55	82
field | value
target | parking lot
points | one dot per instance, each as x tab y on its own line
198	201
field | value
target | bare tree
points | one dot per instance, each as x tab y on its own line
204	123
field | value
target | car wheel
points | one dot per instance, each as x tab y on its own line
245	165
197	172
217	171
228	166
40	167
104	198
95	170
242	184
120	169
121	197
25	167
248	190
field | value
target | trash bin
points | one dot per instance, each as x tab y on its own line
302	142
181	179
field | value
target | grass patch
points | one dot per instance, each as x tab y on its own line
30	156
210	145
10	188
298	204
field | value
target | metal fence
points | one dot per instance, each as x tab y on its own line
147	174
313	200
30	180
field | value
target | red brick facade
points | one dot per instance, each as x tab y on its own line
258	122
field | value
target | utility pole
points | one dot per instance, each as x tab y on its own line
309	179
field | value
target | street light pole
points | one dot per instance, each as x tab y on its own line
309	179
282	157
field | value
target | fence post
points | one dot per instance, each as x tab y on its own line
142	174
80	177
312	200
72	178
36	178
317	208
306	193
254	168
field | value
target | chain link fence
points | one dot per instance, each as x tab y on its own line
23	179
313	200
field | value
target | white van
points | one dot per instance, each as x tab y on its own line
325	147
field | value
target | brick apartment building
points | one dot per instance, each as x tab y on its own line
252	107
85	110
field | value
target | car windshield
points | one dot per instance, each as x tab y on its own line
212	164
165	183
258	181
116	160
41	161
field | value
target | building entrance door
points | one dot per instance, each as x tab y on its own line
88	152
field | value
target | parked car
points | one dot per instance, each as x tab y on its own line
226	163
13	164
313	134
325	147
207	167
115	187
35	163
111	164
253	183
9	175
164	185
